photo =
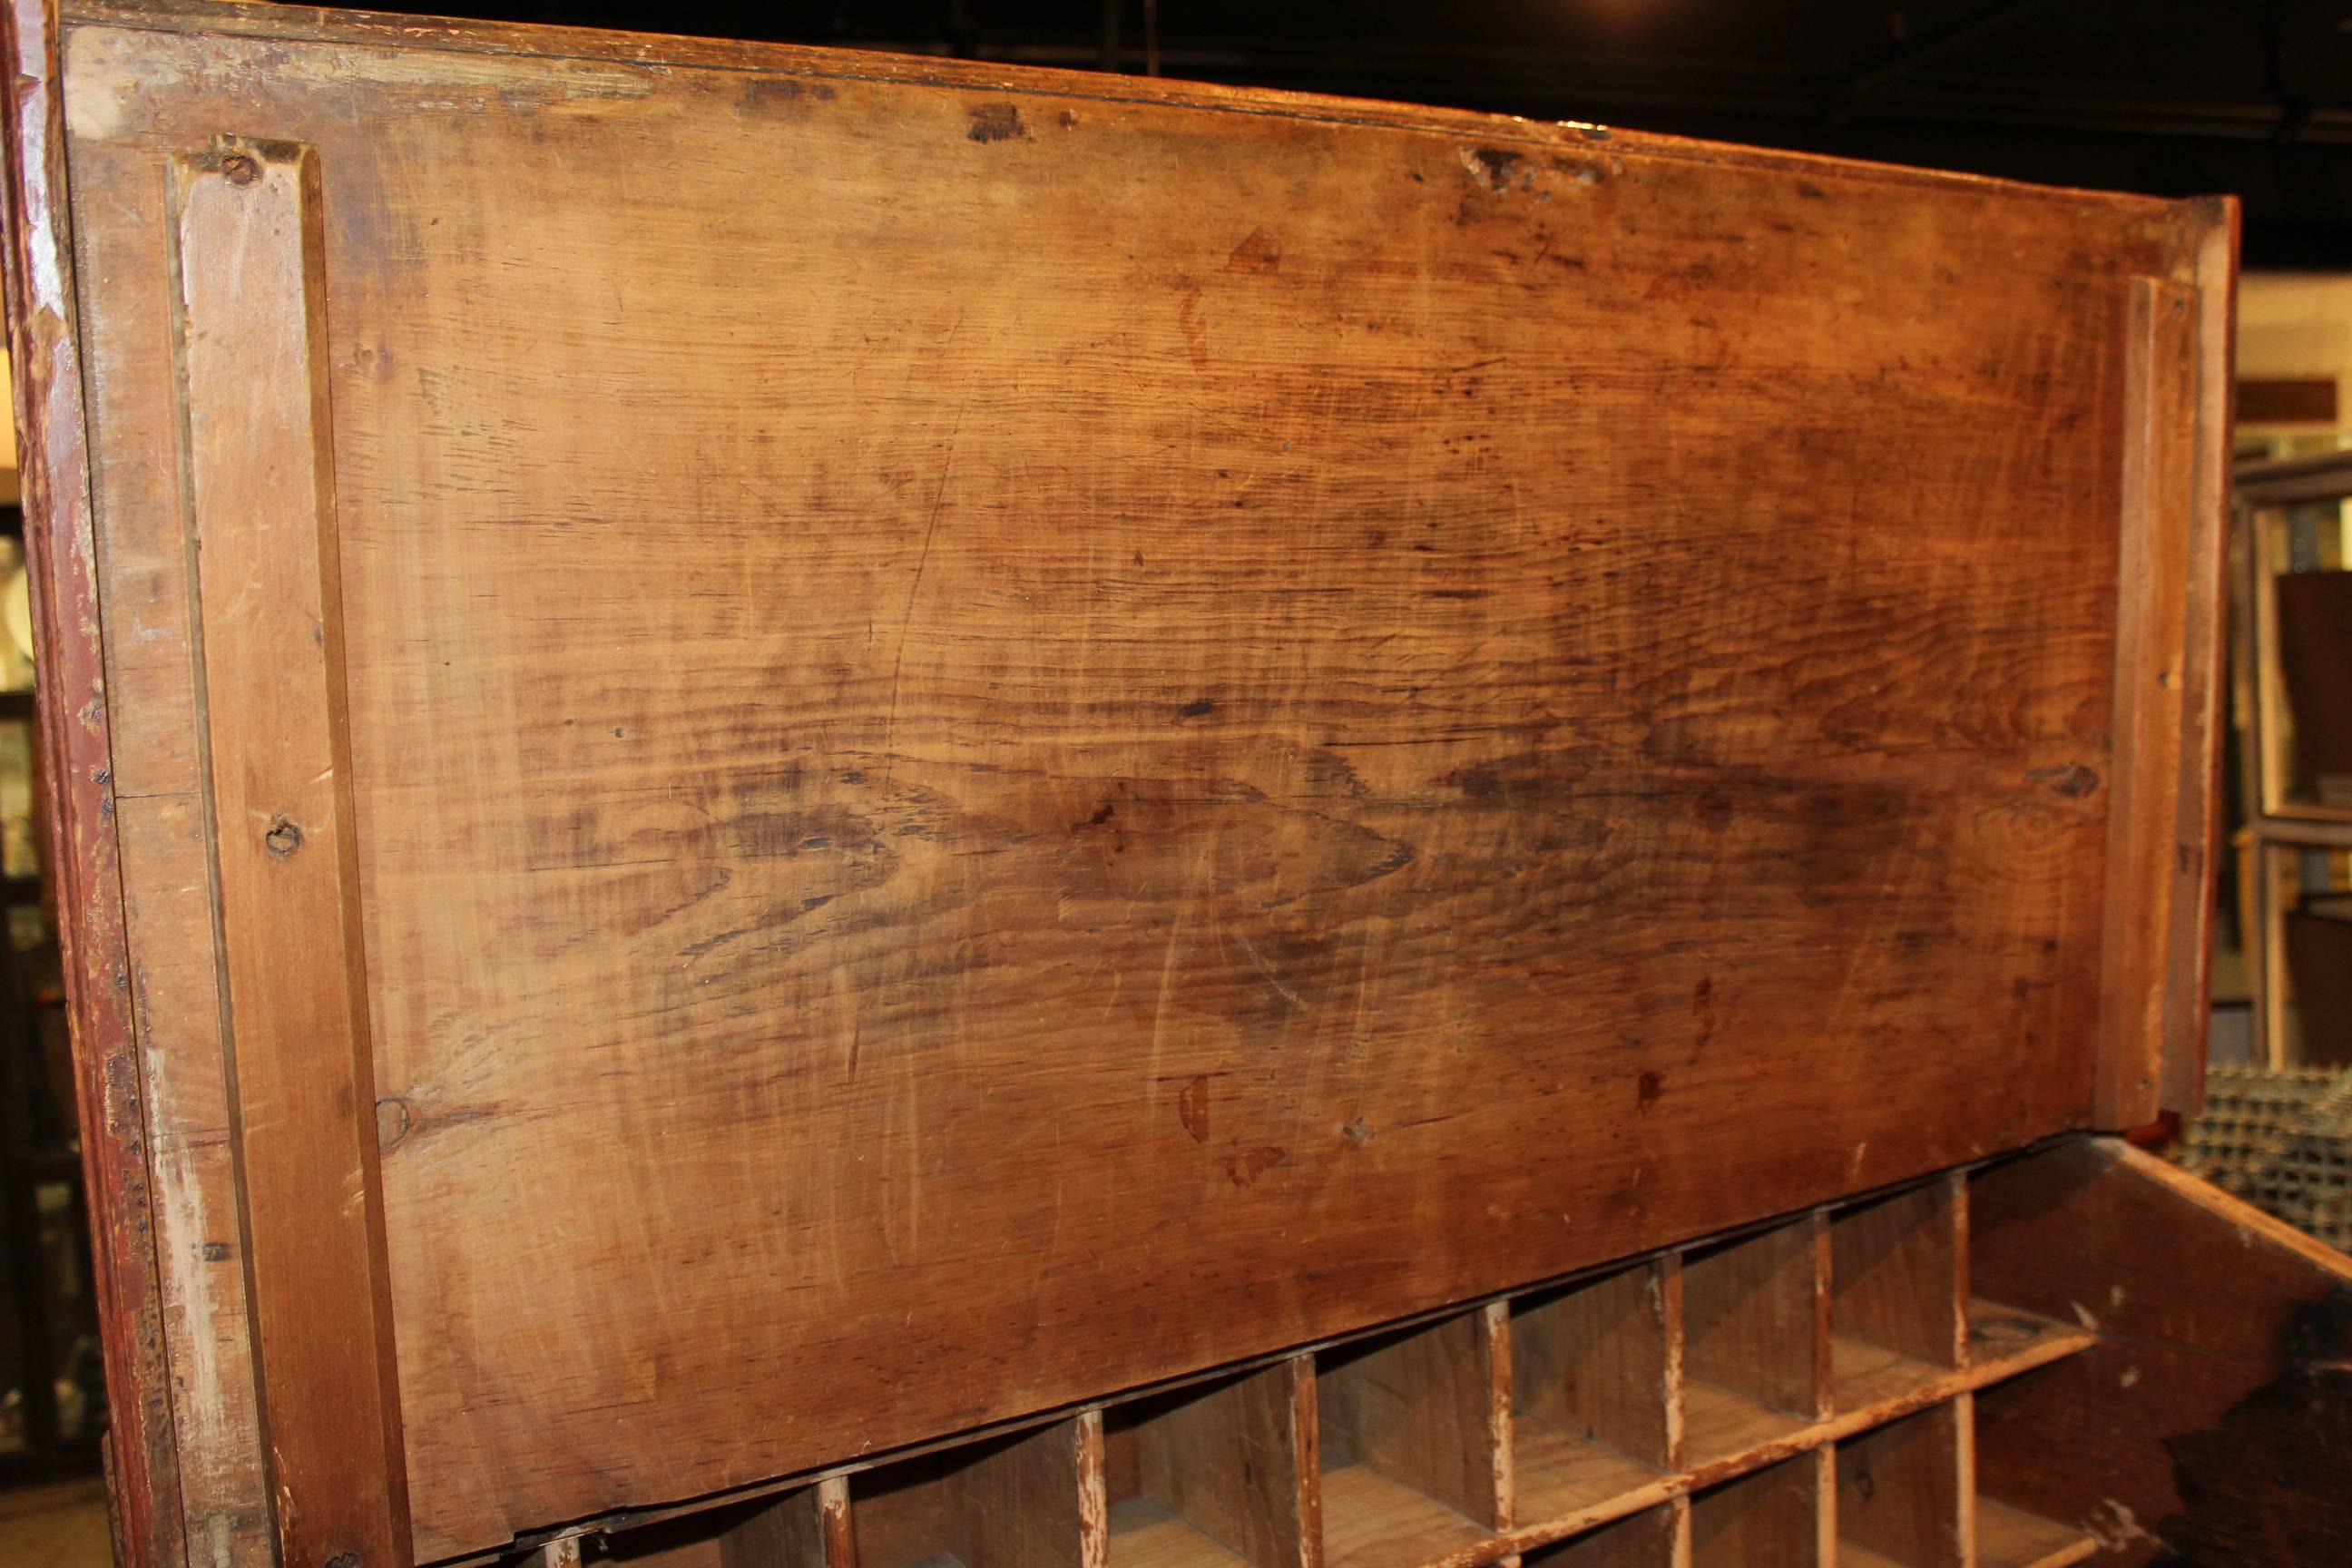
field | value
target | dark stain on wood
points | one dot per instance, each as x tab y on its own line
996	122
1193	1108
2267	1483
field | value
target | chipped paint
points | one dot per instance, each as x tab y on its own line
2115	1526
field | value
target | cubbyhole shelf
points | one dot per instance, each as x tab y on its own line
2028	1477
1902	1492
803	1528
1899	1281
1221	1476
1756	1348
1415	1450
2012	1538
1029	1500
1656	1537
2011	1421
1820	1389
1778	1517
1596	1401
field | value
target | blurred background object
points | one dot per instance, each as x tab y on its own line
52	1380
2292	707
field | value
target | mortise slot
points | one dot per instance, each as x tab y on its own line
1032	1501
1215	1477
1416	1447
1655	1538
1756	1340
2024	1464
1903	1492
1596	1388
805	1529
1782	1517
1900	1277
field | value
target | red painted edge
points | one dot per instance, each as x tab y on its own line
77	761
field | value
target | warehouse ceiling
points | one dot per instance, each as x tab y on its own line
2168	97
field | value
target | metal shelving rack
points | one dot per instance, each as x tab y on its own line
2283	833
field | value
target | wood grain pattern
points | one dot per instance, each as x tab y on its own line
1239	1463
175	989
1035	1501
1757	1316
1659	1538
173	964
2014	1349
1899	1273
1603	1359
1428	1409
2012	1538
2188	959
261	490
1371	1521
2160	501
807	1529
1902	1492
1145	1535
1166	684
76	754
2213	1422
1770	1519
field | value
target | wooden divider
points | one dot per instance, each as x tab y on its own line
808	1529
1755	1316
1225	1475
1899	1301
1898	1273
1779	1517
1804	1394
1655	1538
1416	1441
1008	1502
1904	1493
2009	1536
1597	1395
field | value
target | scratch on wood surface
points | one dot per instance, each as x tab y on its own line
1265	969
915	589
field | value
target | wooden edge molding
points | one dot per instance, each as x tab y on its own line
360	28
2154	882
2205	700
1494	1328
2254	1228
76	760
250	308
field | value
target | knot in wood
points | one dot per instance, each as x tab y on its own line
282	839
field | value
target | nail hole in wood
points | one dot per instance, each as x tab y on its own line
242	170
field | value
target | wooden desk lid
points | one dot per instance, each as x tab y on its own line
988	735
